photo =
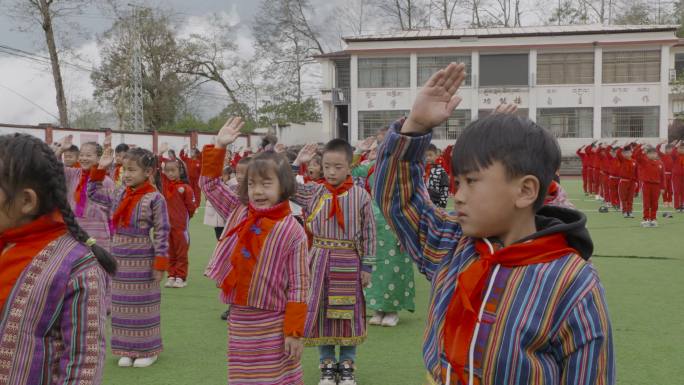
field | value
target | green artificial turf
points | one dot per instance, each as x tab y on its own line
641	269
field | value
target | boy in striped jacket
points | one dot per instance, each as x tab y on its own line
514	298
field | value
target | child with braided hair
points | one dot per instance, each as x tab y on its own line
137	208
54	279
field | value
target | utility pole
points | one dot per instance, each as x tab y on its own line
137	117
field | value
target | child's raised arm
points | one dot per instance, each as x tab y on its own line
99	192
224	200
304	193
428	234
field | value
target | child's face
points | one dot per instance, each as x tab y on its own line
263	191
430	157
88	157
488	202
118	158
172	171
70	158
133	174
336	167
652	155
241	171
314	169
627	154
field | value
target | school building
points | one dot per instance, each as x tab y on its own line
583	82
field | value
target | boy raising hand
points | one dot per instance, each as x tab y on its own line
514	298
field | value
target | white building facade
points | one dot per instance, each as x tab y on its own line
583	83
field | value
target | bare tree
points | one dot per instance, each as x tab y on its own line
45	13
407	14
445	10
352	16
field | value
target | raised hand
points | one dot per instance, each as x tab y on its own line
280	148
367	143
164	147
504	108
436	100
107	159
229	132
107	140
306	154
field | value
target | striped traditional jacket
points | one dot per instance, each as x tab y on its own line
52	327
540	324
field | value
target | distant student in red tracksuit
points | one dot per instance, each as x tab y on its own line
651	175
193	164
594	173
668	162
678	176
181	205
584	159
613	177
628	180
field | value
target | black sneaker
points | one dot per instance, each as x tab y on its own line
224	315
346	370
328	373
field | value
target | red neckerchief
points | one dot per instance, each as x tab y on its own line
27	241
122	215
80	196
462	313
428	168
552	192
371	170
251	233
335	208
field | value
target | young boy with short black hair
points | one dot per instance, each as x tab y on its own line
70	156
436	177
514	298
339	216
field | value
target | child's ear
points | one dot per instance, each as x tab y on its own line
528	191
27	202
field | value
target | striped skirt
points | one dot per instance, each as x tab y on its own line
136	299
256	352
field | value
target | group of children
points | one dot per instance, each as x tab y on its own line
617	174
514	297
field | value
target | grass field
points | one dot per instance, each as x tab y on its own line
641	269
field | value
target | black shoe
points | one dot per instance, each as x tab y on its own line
224	315
346	370
328	373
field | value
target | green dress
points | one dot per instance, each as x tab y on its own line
392	287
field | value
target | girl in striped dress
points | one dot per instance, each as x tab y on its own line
260	264
53	277
136	297
95	218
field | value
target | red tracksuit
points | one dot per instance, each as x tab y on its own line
584	158
628	182
180	202
651	175
668	163
613	178
604	165
678	179
592	170
194	167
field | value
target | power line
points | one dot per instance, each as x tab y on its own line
35	57
30	101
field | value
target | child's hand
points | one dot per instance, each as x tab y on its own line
294	348
106	159
366	144
108	140
280	148
436	100
229	132
306	154
366	278
504	108
157	275
164	147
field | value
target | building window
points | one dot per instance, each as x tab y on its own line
679	67
630	122
428	65
391	72
567	122
521	112
504	70
371	121
453	127
631	67
565	68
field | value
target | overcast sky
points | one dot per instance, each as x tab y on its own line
27	93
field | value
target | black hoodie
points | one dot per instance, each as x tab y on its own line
572	223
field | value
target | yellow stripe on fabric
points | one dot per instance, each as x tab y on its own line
341	300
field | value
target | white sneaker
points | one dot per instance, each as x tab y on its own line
180	283
377	318
645	223
125	362
390	320
654	224
144	362
170	282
